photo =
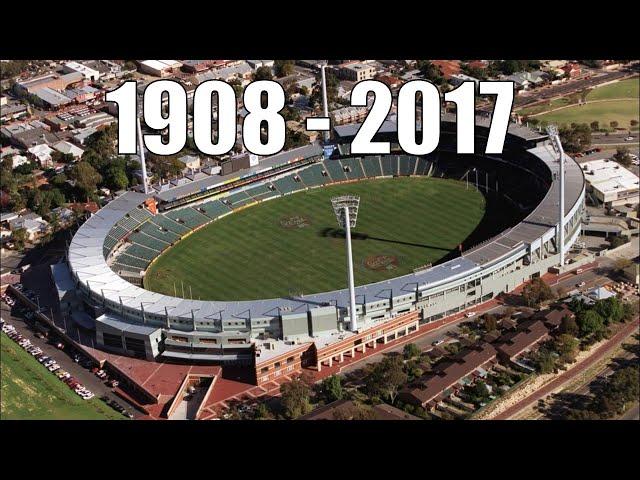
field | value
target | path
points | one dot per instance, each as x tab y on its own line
568	375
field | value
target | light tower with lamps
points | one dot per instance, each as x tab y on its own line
552	131
143	163
346	209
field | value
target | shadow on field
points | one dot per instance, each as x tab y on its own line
340	233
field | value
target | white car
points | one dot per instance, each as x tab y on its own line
628	139
470	314
54	367
581	284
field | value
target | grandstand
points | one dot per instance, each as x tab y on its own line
312	176
235	331
352	168
372	166
188	216
214	208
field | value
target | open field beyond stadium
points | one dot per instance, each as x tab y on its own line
30	391
621	111
293	245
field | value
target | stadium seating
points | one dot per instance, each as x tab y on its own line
118	267
188	216
148	241
258	191
389	165
128	223
134	262
238	198
140	214
312	176
110	242
353	164
154	231
214	208
118	232
171	225
141	252
334	168
372	166
288	184
423	166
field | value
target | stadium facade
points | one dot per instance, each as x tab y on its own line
111	250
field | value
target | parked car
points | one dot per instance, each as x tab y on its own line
470	314
581	284
437	342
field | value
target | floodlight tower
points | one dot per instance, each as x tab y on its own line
552	131
142	160
325	101
346	209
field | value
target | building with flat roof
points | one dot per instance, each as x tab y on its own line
159	68
611	184
356	72
87	72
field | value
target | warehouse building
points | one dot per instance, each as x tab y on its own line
610	184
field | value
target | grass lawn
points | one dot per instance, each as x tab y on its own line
622	111
280	246
629	88
31	392
543	107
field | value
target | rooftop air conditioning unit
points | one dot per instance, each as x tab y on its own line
270	345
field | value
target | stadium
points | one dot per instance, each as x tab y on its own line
147	268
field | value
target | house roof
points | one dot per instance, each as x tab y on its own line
528	333
451	372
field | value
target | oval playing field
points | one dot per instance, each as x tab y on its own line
292	245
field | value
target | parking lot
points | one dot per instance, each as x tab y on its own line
68	365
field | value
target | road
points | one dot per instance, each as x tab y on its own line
565	377
632	414
553	91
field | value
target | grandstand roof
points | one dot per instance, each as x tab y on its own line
214	180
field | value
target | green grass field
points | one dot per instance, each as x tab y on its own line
629	88
31	392
622	111
251	255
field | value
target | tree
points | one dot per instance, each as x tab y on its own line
490	322
569	326
331	388
622	263
622	156
595	126
567	347
385	378
86	177
116	178
613	124
411	350
589	323
610	310
262	412
295	398
575	138
618	241
431	72
536	292
545	362
19	236
262	73
633	122
283	68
